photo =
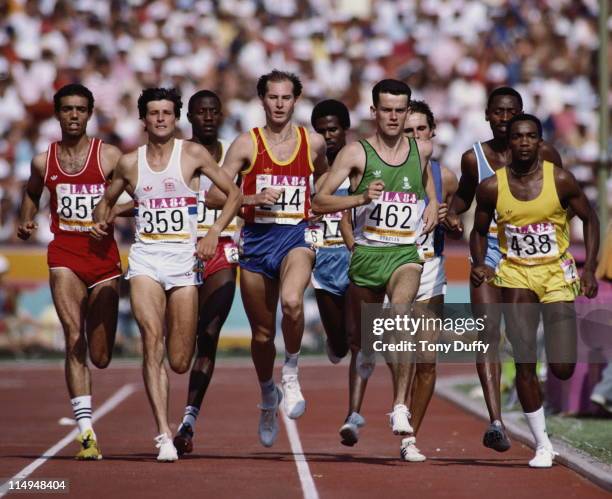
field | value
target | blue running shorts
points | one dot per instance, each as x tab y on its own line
330	272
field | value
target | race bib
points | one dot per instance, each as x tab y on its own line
533	243
208	216
330	225
570	272
394	218
167	219
290	207
425	246
313	235
75	205
231	252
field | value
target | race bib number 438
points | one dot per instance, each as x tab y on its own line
75	205
289	208
394	218
533	243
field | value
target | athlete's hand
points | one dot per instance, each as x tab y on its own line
430	217
313	218
207	246
442	212
268	196
25	230
480	274
375	190
453	225
99	230
588	284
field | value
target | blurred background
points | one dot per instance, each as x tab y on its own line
451	52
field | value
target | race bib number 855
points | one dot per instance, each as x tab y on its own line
75	205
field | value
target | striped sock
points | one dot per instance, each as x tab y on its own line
191	414
81	407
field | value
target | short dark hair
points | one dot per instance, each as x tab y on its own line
389	86
524	117
505	91
276	75
153	94
202	94
73	89
420	106
331	107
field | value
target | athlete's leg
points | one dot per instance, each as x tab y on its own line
424	379
401	289
101	322
260	297
70	299
485	300
560	337
331	309
148	301
216	296
181	321
294	278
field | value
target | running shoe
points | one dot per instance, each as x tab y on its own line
89	447
268	421
183	440
399	420
365	365
410	452
167	451
349	431
602	402
295	405
544	457
495	437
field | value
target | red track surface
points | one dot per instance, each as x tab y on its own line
228	460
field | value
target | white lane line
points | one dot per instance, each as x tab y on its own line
118	397
308	485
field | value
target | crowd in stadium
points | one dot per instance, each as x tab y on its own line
451	53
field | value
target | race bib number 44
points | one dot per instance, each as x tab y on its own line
167	219
290	207
394	218
533	243
75	205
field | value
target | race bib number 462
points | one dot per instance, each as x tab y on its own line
75	205
533	243
289	208
394	218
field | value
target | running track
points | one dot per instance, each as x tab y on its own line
228	460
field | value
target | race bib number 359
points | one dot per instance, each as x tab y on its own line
533	243
75	205
167	219
394	218
289	208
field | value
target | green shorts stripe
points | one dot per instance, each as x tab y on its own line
373	266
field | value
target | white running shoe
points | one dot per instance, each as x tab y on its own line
543	458
349	431
295	405
365	364
268	421
399	420
167	451
410	452
333	358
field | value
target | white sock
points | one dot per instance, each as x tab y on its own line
268	393
81	406
537	424
191	414
291	363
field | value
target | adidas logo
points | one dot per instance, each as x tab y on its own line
53	177
377	173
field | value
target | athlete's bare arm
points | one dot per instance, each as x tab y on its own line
31	197
122	180
430	215
549	153
573	197
464	195
486	200
350	162
346	229
208	166
109	158
317	153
